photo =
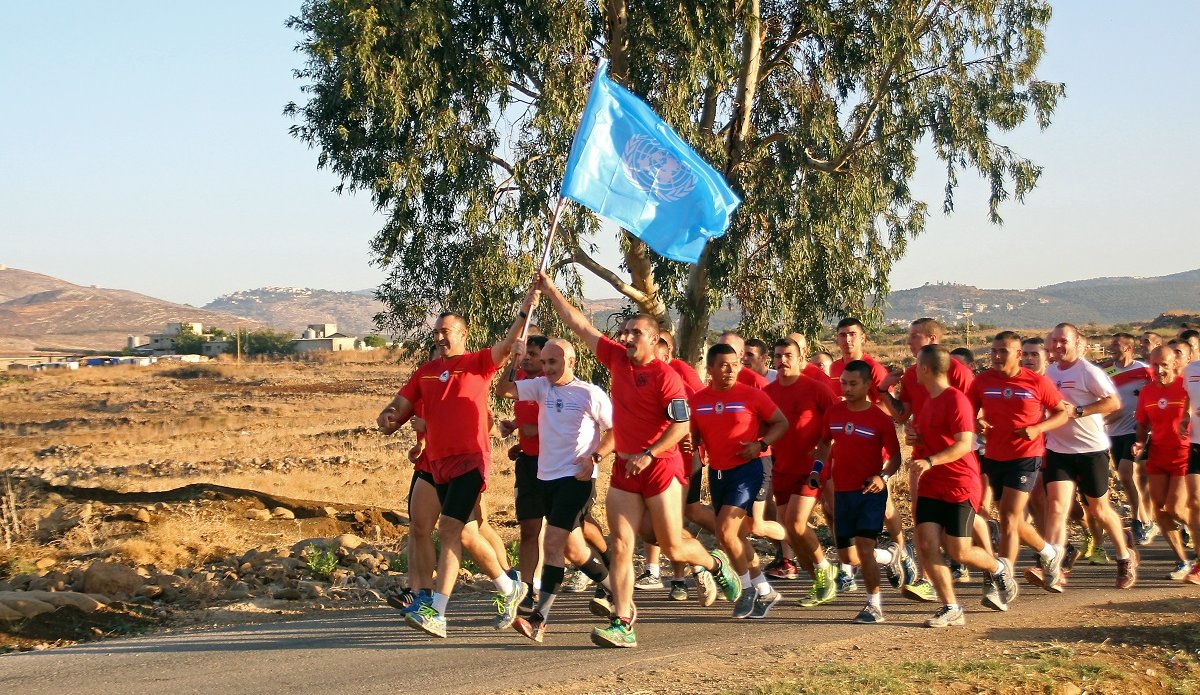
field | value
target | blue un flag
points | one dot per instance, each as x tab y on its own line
626	164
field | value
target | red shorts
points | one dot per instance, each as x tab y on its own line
422	464
448	468
654	479
785	484
1176	468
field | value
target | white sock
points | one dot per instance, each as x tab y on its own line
823	564
954	606
1047	553
439	603
1124	557
761	585
504	583
537	584
883	556
759	580
847	569
999	568
654	569
745	580
875	599
697	569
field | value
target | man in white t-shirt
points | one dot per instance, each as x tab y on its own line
1077	453
574	428
1129	376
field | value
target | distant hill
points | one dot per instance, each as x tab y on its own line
1101	300
39	311
296	307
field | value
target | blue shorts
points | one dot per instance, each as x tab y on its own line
858	514
737	487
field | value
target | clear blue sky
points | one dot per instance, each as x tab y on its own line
142	147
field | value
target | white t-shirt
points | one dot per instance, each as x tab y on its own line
571	419
1083	383
772	375
1129	382
1191	380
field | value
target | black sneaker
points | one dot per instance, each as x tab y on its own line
399	598
527	606
601	604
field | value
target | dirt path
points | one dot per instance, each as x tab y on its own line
684	648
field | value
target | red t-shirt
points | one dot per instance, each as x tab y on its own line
1161	408
1009	403
725	420
422	463
749	377
640	397
859	440
526	413
914	394
940	420
804	404
814	372
878	374
454	393
691	380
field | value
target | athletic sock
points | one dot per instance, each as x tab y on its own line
439	603
846	569
875	599
552	578
999	571
1047	553
594	568
761	585
883	556
654	569
604	557
823	565
745	580
504	584
536	586
697	569
954	606
1123	559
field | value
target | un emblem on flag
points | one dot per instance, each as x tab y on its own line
655	170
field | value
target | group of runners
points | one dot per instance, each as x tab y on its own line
1005	457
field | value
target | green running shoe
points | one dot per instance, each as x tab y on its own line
507	605
1098	556
725	577
824	588
617	634
920	591
427	620
679	590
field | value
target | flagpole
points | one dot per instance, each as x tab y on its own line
558	208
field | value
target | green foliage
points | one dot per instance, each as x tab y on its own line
267	342
321	561
375	341
457	118
188	342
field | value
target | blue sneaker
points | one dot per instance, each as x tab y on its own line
911	572
423	598
846	582
427	620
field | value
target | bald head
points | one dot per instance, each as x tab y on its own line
801	344
558	361
734	341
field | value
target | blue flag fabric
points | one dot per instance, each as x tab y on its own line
626	164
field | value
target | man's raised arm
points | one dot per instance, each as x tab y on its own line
504	346
572	317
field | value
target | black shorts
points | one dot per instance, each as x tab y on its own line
527	488
412	485
1089	471
1122	447
567	501
460	495
695	485
764	492
1194	460
857	514
955	518
1018	474
737	487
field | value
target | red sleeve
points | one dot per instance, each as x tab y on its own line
906	386
878	374
411	391
890	441
609	351
1140	413
962	420
975	395
1051	398
961	377
672	386
764	407
483	364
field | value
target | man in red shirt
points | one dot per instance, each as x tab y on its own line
804	403
748	377
856	435
453	391
852	342
1012	403
650	417
737	425
1163	419
949	488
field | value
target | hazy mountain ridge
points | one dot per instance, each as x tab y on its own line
293	308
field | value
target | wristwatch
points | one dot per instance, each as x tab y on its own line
648	452
762	445
1078	411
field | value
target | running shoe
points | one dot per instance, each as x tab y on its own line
399	598
911	572
528	604
1193	577
991	594
895	568
824	588
423	598
427	620
960	573
1035	576
946	617
846	582
679	590
533	627
1007	584
1052	579
617	634
869	615
1152	530
745	604
782	568
1185	535
707	586
762	604
1069	557
1140	531
601	604
507	604
648	580
576	583
1097	556
921	590
1181	571
993	527
726	577
1127	569
1089	545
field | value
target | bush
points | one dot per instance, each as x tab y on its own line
321	561
374	341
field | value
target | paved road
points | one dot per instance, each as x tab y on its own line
370	651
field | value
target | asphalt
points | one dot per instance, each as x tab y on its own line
370	650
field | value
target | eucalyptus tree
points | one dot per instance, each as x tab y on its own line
457	118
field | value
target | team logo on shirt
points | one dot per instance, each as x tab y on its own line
719	408
444	376
849	428
1162	404
1008	393
641	380
558	404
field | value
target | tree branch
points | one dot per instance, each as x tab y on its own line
578	255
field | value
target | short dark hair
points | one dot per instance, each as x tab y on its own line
1007	336
930	327
850	321
718	349
1035	340
787	343
538	340
964	352
818	353
756	343
453	314
861	368
1190	334
936	358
